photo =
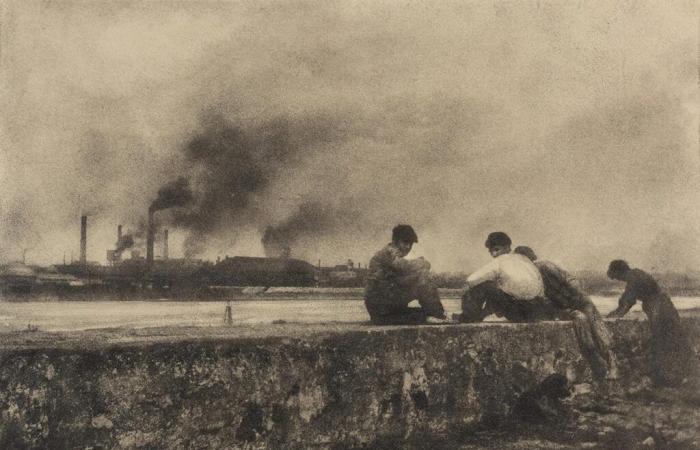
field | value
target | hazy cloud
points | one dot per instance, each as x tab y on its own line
572	126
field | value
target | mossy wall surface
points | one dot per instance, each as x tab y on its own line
339	389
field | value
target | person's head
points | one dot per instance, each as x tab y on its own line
618	269
498	243
403	237
526	251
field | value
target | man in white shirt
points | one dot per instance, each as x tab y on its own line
509	286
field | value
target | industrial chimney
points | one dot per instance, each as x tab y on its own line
83	239
165	244
150	235
116	254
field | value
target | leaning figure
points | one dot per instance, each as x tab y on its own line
562	290
669	349
394	281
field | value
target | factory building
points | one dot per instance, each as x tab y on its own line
127	271
342	275
254	271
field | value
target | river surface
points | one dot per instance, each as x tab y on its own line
81	315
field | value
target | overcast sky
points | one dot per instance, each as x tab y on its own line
572	126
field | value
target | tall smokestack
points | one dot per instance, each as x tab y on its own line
165	244
117	253
83	239
150	233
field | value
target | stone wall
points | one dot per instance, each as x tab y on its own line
306	386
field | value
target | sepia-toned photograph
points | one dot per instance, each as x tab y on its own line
349	224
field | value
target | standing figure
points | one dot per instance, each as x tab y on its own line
394	281
509	286
669	349
562	290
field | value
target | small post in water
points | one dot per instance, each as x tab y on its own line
228	317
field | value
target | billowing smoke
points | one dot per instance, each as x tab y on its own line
312	220
276	243
125	242
233	167
175	193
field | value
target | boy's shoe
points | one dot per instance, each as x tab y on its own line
435	321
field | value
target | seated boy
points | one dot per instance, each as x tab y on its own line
570	303
393	282
509	286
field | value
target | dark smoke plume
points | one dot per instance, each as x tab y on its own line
313	219
232	166
132	238
175	193
126	241
276	244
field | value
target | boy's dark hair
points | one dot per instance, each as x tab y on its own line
404	233
618	267
497	238
526	251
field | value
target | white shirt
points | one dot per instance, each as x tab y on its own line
514	274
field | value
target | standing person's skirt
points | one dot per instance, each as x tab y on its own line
670	353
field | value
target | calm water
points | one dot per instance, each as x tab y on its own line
60	316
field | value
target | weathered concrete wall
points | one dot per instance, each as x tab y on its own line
313	387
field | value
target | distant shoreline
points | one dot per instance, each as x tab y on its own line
261	293
450	284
